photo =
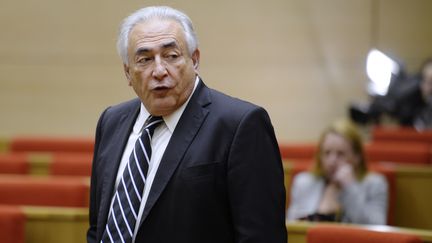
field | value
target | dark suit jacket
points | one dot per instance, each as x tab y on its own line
220	179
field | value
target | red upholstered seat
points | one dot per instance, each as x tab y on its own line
297	151
12	224
403	134
46	191
71	164
344	234
51	144
14	163
400	152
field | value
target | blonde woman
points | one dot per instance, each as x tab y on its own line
339	188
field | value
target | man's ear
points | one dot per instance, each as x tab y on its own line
128	76
195	60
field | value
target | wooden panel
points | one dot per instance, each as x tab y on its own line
302	60
39	163
297	230
414	197
4	144
53	225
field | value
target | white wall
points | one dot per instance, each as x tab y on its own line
303	60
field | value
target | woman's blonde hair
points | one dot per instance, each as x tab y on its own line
349	131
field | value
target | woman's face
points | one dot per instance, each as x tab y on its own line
335	152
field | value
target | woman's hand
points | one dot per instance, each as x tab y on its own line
344	175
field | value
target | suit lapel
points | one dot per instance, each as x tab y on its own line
186	129
120	137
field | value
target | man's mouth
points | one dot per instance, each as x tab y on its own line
161	90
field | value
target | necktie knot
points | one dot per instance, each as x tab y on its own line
151	123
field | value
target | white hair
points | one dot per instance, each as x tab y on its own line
148	13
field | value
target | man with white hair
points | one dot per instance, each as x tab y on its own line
181	162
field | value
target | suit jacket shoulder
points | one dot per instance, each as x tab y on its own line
116	111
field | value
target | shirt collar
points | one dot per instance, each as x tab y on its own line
170	120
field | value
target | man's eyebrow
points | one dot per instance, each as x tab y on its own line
169	45
142	50
145	50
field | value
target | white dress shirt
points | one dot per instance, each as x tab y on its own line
159	142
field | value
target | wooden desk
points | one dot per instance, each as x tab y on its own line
297	230
4	144
413	197
54	224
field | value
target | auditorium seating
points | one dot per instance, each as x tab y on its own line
12	224
50	144
24	224
298	232
3	144
340	233
14	163
58	163
297	151
44	191
56	224
65	165
45	183
399	152
71	164
403	134
396	152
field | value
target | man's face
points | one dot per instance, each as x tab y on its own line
160	69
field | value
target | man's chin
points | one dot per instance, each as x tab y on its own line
163	109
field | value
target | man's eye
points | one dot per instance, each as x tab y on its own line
173	56
145	60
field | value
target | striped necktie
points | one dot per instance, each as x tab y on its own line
128	195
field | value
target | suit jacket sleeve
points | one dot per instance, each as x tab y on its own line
92	231
256	181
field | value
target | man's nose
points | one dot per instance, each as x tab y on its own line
159	70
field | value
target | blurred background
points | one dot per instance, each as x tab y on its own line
303	60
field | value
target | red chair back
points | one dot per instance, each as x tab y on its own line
51	144
46	191
399	152
12	224
14	163
297	151
335	233
71	164
402	134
